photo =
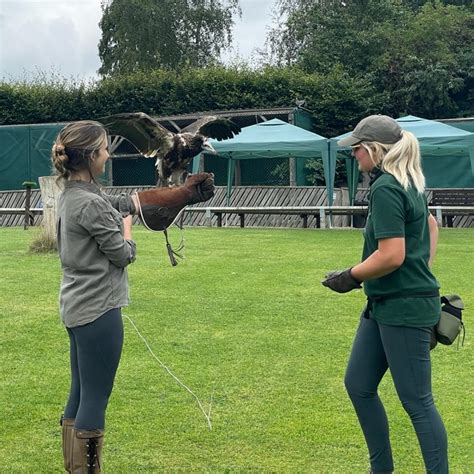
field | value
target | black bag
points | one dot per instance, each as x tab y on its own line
450	323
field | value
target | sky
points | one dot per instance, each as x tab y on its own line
60	37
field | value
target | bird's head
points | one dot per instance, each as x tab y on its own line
206	147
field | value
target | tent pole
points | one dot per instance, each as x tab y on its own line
230	177
471	158
329	174
196	162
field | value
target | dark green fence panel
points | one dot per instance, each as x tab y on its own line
14	157
42	139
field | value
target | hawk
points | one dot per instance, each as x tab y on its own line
173	151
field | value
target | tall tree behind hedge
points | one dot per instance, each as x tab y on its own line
151	34
418	53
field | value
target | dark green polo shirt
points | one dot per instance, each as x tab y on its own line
394	212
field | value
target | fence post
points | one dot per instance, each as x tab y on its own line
292	168
439	217
50	191
29	218
208	217
322	218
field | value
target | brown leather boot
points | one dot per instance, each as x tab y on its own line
87	451
67	437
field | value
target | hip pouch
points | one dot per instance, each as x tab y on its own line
450	324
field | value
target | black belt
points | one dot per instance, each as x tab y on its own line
394	296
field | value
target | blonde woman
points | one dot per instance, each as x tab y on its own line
403	305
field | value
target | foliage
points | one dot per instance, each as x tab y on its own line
429	66
418	55
315	173
246	325
43	243
43	99
281	173
335	99
151	34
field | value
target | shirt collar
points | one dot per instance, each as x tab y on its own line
374	175
92	187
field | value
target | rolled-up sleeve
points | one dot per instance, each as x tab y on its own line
105	227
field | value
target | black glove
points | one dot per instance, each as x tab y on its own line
341	281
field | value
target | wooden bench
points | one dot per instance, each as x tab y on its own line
452	198
319	212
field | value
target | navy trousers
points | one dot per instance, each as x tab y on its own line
95	351
405	351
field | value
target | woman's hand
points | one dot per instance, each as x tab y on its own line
341	281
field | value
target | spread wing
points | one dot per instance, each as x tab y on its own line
214	127
145	133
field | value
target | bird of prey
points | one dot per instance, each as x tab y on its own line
173	151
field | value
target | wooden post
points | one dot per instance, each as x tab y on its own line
29	218
292	168
238	174
50	191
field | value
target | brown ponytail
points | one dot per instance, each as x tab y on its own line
75	146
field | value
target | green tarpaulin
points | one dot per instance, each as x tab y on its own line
25	153
447	154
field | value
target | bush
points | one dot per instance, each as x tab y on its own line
336	100
43	243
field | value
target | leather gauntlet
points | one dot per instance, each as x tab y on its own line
160	206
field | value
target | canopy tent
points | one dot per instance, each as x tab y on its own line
447	154
272	139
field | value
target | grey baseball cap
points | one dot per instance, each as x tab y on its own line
374	128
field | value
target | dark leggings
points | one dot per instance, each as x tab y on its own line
95	354
405	350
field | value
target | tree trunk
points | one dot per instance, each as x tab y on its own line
50	191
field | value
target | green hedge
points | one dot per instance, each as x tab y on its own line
336	99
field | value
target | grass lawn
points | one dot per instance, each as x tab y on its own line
246	324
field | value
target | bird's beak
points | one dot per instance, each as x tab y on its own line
208	148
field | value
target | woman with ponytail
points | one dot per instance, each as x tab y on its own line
94	236
403	301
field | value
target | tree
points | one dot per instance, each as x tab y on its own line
316	35
417	54
171	34
427	69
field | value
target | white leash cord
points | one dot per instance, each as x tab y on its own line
206	415
180	213
171	253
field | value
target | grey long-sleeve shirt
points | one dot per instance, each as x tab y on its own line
93	252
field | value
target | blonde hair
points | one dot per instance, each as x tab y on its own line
402	160
75	147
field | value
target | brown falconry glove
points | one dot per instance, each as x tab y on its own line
160	206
